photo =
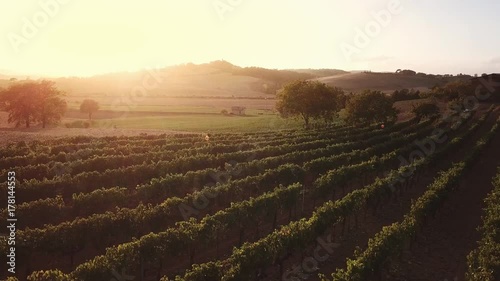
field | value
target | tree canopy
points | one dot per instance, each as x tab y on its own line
309	100
369	107
89	106
454	90
405	94
33	102
426	110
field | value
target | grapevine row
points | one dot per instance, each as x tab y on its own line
484	261
173	185
269	250
130	176
171	244
393	238
48	169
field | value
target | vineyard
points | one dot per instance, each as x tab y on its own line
337	203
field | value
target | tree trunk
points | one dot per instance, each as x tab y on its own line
90	116
306	120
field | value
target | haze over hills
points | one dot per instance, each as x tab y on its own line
387	82
223	79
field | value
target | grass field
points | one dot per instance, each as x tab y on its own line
205	123
184	114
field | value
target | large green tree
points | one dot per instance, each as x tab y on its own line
33	102
370	107
309	100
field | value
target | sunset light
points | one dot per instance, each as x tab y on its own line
249	140
93	37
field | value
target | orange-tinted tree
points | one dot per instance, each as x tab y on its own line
33	102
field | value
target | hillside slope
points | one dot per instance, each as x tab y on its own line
387	82
223	79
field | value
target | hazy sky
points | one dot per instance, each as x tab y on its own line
85	37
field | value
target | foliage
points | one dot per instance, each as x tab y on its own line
30	102
405	94
392	239
426	110
258	175
49	275
370	107
484	261
89	106
298	235
456	90
101	226
406	72
310	100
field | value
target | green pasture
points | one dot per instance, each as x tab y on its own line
203	123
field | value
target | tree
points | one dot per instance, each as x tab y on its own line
454	90
406	72
426	110
18	102
89	106
51	107
310	100
405	94
370	106
31	102
456	106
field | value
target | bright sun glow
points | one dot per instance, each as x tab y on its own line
64	38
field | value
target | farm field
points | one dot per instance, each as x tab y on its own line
186	114
362	203
200	115
233	140
204	117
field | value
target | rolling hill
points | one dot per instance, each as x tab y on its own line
223	79
386	82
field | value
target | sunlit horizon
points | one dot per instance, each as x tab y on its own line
72	38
